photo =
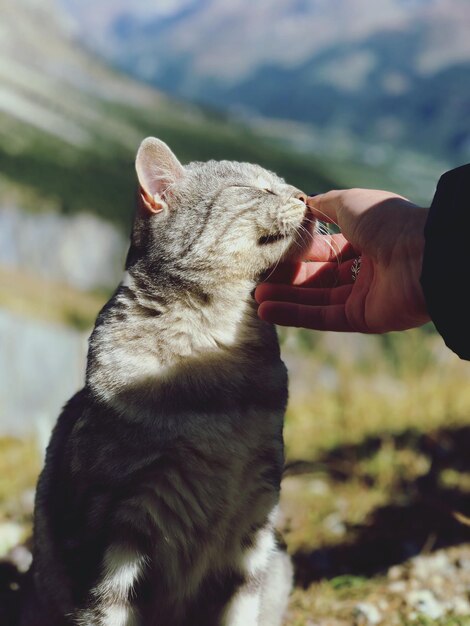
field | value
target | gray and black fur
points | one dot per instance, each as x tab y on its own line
156	504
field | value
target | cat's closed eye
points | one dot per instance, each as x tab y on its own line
266	189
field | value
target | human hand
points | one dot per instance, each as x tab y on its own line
383	229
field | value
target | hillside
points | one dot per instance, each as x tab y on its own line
395	72
70	126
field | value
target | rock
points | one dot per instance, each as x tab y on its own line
397	586
366	614
458	606
395	572
11	535
425	602
21	558
463	563
334	524
424	566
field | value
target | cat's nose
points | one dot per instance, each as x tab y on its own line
301	196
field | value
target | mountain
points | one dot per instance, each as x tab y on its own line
395	71
70	125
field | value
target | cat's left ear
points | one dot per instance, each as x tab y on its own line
157	169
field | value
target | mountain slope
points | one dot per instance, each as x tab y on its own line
70	126
396	71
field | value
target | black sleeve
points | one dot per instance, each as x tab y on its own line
445	276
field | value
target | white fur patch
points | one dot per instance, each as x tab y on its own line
244	610
256	558
121	569
118	615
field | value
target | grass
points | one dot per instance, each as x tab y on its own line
377	435
354	387
20	462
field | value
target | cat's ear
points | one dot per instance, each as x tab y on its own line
157	169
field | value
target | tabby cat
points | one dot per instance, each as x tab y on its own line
157	502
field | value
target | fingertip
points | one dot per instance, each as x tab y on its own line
263	311
313	199
259	293
272	312
323	206
280	313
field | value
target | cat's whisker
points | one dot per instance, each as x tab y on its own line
335	250
329	220
299	230
331	244
265	280
323	229
309	234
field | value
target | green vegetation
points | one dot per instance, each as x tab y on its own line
99	177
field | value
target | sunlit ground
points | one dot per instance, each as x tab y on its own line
378	471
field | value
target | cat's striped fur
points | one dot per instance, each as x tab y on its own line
156	504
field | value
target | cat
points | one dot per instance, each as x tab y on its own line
156	505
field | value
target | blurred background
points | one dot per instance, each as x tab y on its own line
327	93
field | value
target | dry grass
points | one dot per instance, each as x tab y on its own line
377	437
348	390
19	466
20	463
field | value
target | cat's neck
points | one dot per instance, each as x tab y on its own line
193	319
145	334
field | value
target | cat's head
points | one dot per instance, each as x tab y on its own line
222	219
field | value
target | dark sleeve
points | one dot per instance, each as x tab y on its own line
445	276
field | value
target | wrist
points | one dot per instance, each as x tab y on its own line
413	254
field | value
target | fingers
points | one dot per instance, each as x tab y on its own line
301	305
330	248
331	318
300	295
324	249
314	274
317	274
